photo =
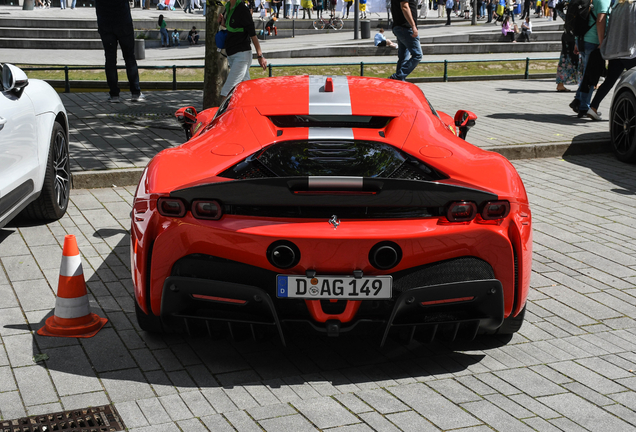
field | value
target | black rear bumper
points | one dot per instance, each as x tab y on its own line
476	304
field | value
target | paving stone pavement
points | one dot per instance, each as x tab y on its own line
571	367
511	113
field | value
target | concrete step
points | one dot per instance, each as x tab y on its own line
427	49
61	44
30	33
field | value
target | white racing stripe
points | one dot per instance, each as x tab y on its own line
72	307
71	266
330	133
335	182
330	103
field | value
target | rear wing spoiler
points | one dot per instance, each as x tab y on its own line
333	191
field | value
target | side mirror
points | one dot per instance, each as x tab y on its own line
464	120
187	116
13	79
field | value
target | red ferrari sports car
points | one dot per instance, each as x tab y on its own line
331	203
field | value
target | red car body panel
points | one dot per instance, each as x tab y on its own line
244	128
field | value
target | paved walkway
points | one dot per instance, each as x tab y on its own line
523	118
570	368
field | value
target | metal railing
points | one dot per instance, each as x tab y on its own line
270	67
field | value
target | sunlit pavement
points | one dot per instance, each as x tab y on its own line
571	366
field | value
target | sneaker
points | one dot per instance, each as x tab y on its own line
114	99
575	105
593	114
139	97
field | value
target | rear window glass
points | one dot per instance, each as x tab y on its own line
340	121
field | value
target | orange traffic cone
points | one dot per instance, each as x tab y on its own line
72	317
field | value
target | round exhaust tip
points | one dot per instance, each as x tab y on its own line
385	255
283	254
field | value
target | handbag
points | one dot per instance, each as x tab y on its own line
219	39
620	37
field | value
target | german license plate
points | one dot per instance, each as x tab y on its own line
334	287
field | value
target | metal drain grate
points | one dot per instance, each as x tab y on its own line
96	419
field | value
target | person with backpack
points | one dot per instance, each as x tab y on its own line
619	47
586	20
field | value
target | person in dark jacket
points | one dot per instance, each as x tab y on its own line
114	24
240	27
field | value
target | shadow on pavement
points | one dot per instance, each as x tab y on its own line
609	168
121	351
559	119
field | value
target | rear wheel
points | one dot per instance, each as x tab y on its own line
623	127
337	23
53	200
319	24
149	323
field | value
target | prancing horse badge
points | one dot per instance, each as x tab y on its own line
334	221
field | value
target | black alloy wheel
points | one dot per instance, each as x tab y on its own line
623	127
61	165
54	197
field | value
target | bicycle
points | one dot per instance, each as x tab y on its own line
333	22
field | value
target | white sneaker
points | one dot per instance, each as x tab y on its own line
594	115
139	98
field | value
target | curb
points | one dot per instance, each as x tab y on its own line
130	177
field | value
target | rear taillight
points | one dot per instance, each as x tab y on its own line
207	210
494	210
171	207
461	211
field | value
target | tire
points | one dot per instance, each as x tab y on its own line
149	323
337	24
53	200
623	127
319	24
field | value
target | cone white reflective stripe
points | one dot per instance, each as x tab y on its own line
72	307
71	266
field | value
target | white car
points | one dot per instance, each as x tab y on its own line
623	118
35	175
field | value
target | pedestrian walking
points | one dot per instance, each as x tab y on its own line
405	30
449	8
585	45
619	47
115	26
240	26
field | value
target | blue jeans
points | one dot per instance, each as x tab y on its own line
409	52
165	39
239	65
585	98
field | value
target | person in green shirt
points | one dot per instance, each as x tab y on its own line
592	39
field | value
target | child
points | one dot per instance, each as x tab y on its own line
271	26
175	38
381	40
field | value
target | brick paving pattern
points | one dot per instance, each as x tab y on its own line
571	367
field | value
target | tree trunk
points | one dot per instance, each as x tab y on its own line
215	63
